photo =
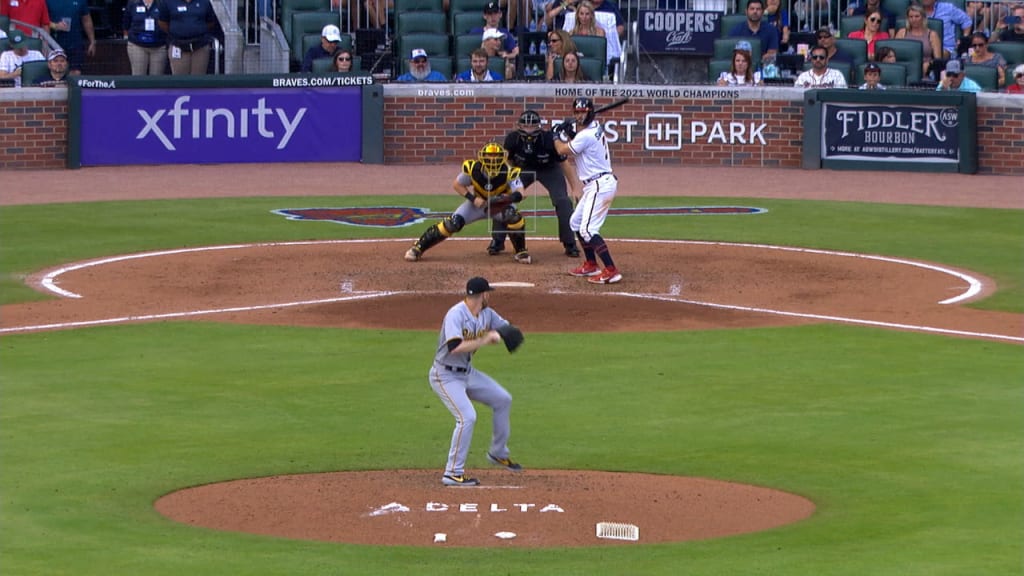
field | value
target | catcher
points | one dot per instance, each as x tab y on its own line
468	326
492	189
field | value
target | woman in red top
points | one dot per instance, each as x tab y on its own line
871	32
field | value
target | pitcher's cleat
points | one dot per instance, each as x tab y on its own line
459	480
506	463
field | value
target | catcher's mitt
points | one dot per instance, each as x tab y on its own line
511	336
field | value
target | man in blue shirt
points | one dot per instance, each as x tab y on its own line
68	19
954	79
419	69
478	71
952	19
752	28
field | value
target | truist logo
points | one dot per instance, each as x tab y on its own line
181	122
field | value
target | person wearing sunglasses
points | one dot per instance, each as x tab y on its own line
871	32
820	75
342	61
1017	87
980	55
954	79
888	18
826	40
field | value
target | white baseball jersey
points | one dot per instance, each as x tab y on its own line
832	78
590	150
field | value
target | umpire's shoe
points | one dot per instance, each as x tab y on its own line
459	480
572	251
506	463
495	248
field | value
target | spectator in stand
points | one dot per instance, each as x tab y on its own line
147	43
586	23
820	75
68	20
954	79
778	18
32	12
980	55
559	44
872	77
1011	29
189	25
885	55
377	12
755	28
342	61
492	19
888	18
871	32
478	71
330	38
952	18
917	29
57	62
555	11
613	9
11	60
981	14
1017	87
419	69
741	71
572	72
492	44
827	41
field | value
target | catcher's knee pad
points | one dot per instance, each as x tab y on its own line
452	224
514	220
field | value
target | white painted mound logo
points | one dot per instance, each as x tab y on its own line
473	507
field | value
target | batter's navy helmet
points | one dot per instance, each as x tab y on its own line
584	105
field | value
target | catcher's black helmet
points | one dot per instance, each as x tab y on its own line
584	105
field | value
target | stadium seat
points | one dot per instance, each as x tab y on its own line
289	7
716	67
986	76
593	68
729	21
933	23
31	71
854	48
466	43
468	6
419	6
421	23
896	7
1012	51
909	53
463	22
892	75
434	44
725	46
850	24
592	47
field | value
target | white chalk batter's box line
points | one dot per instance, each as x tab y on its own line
49	282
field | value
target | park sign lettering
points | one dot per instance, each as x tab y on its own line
679	31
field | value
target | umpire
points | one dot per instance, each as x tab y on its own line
532	150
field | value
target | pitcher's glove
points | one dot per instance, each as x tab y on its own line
511	336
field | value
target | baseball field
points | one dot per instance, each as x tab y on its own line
235	344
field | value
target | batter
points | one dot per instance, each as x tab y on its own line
584	141
469	326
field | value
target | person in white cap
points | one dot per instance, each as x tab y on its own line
57	62
419	69
492	45
330	39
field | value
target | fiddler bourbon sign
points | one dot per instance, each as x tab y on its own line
890	133
678	31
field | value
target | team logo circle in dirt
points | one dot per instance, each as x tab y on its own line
533	508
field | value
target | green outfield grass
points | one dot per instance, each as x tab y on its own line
910	444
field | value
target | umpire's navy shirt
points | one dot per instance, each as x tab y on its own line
187	21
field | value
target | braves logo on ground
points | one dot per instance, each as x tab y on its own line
396	216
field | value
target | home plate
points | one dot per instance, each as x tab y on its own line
513	284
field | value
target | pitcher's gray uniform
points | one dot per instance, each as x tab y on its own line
468	326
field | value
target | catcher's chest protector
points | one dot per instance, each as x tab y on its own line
488	186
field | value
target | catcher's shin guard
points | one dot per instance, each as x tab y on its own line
517	232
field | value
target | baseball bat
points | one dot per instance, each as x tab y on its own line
611	106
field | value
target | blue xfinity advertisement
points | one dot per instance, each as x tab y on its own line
220	125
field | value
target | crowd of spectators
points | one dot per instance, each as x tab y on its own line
174	36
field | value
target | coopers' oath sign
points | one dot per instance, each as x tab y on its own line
678	31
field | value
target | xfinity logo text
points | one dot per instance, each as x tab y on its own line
169	125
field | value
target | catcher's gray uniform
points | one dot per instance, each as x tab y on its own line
457	383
